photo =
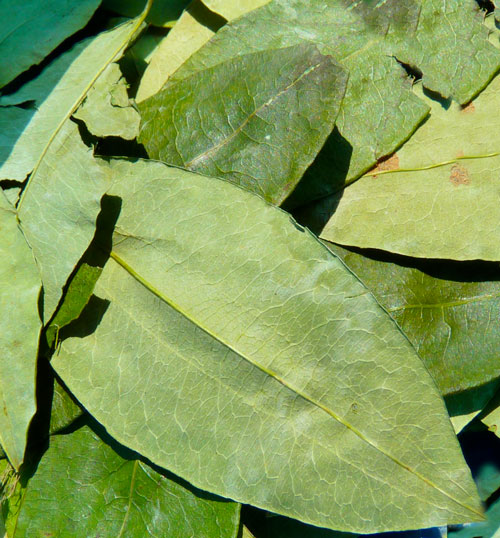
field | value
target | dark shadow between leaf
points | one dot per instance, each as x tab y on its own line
474	399
325	175
128	454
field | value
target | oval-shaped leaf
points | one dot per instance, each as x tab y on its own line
236	350
258	120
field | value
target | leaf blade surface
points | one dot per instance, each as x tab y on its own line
259	127
19	337
33	29
280	349
442	202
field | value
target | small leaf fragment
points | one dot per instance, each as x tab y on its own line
106	110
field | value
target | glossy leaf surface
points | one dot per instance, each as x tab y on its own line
223	332
258	127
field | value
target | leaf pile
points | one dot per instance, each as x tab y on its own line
182	355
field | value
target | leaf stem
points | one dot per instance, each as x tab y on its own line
435	165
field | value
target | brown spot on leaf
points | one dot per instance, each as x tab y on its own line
468	109
460	153
459	175
386	163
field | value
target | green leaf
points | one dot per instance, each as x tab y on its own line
31	29
64	410
379	110
106	110
19	335
59	208
447	321
258	120
76	298
53	96
82	487
438	199
227	344
492	420
162	13
231	9
195	27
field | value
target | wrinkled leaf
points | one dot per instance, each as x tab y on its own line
30	29
445	206
448	322
258	120
379	110
223	334
162	13
59	208
106	110
20	285
53	96
195	27
82	487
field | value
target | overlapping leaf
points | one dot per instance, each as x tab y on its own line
59	208
82	487
379	111
163	12
258	120
234	349
52	97
443	203
31	29
20	285
449	322
194	28
107	110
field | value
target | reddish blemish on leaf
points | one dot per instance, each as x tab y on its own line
459	175
468	109
386	163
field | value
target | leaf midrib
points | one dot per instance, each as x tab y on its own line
120	261
448	304
215	148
